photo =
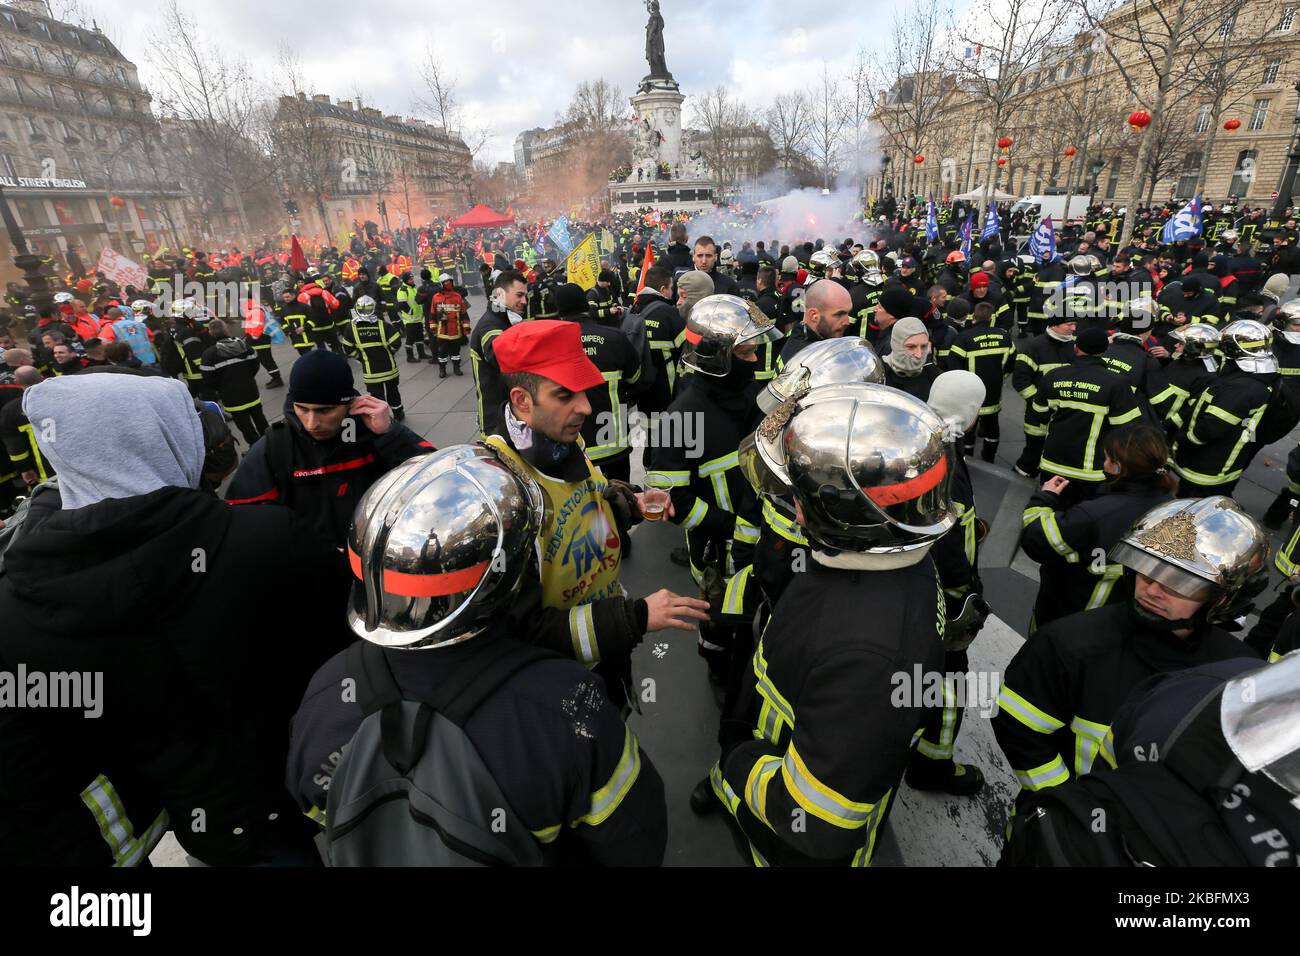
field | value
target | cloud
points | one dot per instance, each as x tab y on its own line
516	64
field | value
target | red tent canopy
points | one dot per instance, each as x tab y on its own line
481	217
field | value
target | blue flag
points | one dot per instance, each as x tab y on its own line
992	224
1186	223
967	228
931	223
559	234
1043	240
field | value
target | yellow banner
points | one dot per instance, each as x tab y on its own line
607	244
583	264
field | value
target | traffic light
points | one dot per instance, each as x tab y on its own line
291	207
383	208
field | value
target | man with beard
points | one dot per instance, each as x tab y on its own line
573	601
827	315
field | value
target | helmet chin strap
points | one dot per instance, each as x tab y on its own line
1155	622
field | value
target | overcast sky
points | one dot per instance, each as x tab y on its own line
516	69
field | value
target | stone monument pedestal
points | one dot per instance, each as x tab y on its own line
657	140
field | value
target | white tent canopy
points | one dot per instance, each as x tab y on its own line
975	196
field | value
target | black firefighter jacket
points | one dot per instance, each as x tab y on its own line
202	669
1072	546
828	729
320	481
568	766
230	368
1066	684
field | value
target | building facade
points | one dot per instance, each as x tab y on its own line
374	167
1068	117
78	145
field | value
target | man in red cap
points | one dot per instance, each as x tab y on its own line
574	601
982	290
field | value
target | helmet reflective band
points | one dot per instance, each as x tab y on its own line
869	467
1199	339
1250	344
364	308
437	546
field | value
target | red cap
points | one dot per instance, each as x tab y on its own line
550	348
978	279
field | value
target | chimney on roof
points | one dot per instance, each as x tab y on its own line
345	104
321	98
37	8
392	119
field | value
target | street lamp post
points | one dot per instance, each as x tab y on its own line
1292	161
1095	168
41	296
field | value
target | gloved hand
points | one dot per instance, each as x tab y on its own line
622	499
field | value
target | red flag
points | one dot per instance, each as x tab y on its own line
478	247
645	265
297	261
422	247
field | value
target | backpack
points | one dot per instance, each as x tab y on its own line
1161	813
14	523
410	789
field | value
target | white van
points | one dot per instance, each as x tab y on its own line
1053	206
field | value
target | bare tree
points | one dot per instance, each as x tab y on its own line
728	127
789	122
826	132
215	95
1003	45
1155	47
441	103
302	143
914	83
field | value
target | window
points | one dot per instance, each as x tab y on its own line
1288	17
1229	22
1056	171
9	19
1212	78
9	167
1203	118
1069	69
1243	175
1258	115
1271	71
1190	173
36	56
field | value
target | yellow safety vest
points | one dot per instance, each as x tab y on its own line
578	547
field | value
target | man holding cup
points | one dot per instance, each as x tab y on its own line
575	601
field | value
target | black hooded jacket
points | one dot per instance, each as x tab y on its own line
201	671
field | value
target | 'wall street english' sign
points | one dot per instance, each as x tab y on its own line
21	183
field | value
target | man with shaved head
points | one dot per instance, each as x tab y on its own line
828	310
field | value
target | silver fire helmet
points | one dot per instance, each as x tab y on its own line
364	308
839	361
867	464
1203	549
1199	339
717	325
437	546
1250	344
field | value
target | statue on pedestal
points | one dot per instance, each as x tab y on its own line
654	42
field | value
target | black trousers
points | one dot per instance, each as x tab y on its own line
326	339
415	342
266	359
990	429
940	725
1033	453
388	392
449	349
251	423
1263	635
1187	489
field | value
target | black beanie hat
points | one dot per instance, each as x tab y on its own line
1093	340
321	378
570	300
897	302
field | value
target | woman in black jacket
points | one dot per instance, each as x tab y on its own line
1072	545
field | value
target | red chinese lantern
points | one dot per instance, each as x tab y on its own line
1070	151
1139	120
918	159
1002	160
1005	143
1231	124
117	201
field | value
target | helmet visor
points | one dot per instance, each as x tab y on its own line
1176	579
